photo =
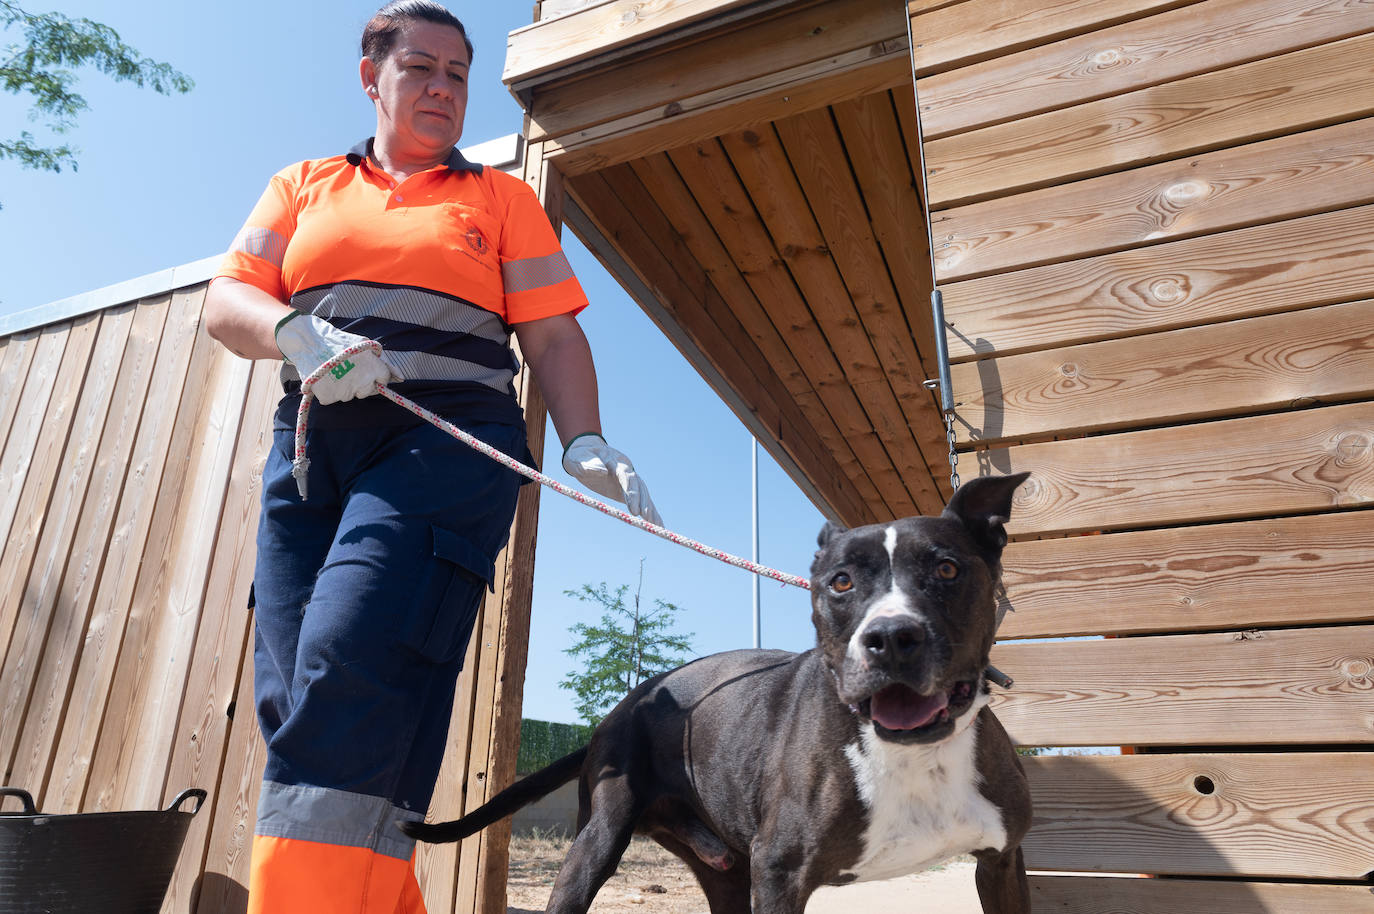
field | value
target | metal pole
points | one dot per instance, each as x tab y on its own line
755	477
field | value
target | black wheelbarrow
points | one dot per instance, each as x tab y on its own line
106	862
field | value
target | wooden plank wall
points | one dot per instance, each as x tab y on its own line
1153	225
131	453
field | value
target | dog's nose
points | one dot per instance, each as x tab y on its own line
893	639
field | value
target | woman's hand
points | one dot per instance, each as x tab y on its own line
309	342
558	354
606	471
254	325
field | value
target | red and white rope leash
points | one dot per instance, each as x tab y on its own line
301	465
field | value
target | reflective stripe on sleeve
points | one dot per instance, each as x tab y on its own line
261	242
535	272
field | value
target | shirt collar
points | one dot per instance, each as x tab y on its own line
455	161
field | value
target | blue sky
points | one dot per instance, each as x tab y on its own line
167	181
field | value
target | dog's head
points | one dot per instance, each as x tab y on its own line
905	612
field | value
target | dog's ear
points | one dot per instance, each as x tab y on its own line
983	505
828	532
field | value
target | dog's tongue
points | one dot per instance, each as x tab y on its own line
899	707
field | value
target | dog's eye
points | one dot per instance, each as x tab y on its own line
947	570
841	583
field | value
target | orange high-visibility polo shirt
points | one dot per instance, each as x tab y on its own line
435	268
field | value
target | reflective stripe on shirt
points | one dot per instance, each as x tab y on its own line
424	335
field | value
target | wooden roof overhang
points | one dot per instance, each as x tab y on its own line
747	170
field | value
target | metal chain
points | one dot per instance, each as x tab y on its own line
934	384
953	454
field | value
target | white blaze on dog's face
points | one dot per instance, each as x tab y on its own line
905	612
892	611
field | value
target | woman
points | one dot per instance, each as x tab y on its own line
367	592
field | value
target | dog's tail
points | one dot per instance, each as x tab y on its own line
518	795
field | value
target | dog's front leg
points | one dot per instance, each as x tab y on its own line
777	872
775	887
1001	879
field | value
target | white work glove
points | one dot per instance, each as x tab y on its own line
308	342
606	471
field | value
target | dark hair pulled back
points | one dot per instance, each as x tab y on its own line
379	35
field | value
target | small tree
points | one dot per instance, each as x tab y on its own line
630	645
39	67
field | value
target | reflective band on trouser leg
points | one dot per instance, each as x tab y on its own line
326	851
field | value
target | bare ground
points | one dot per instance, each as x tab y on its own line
652	881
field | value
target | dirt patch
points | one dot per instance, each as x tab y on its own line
652	881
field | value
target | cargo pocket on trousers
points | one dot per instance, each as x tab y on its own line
462	574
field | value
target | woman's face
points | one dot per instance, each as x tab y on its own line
420	90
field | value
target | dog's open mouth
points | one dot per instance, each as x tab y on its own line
905	712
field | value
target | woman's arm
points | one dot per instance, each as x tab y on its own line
557	352
243	318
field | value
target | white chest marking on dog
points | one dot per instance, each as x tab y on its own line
923	802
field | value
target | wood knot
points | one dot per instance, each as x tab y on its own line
1168	290
1069	369
1107	57
1185	192
1027	492
1352	447
672	109
1357	668
948	257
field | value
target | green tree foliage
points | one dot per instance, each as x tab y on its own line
630	645
42	66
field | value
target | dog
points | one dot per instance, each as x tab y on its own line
871	756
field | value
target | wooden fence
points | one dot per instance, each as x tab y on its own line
1154	228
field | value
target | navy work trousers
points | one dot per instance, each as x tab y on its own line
367	593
